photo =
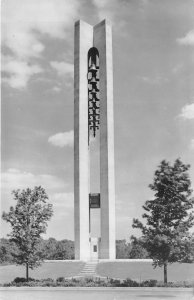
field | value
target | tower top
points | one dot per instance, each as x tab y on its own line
103	22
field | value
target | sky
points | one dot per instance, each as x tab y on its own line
153	62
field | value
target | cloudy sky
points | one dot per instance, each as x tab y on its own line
153	48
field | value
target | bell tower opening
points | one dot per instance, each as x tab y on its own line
94	151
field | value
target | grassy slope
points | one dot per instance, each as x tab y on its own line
47	270
144	270
134	270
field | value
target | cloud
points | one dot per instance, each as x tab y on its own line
56	89
187	111
63	200
62	139
106	9
113	9
192	144
188	39
155	80
13	179
25	22
17	73
63	204
22	19
177	69
17	179
63	68
145	2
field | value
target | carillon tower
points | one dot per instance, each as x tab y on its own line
93	112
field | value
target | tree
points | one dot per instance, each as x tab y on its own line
169	216
28	220
53	249
122	249
49	248
137	248
7	250
68	246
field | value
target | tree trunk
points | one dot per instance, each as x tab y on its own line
27	272
165	273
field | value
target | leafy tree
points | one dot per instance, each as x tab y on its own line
49	248
122	249
7	250
53	249
137	248
169	216
69	249
189	250
28	220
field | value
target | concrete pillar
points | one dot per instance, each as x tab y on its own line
103	42
99	36
83	42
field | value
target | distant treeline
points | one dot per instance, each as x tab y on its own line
49	249
64	249
132	249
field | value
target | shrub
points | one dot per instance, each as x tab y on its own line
7	284
149	283
22	280
89	279
48	280
92	282
114	282
60	279
19	279
130	283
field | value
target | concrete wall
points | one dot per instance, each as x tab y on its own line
103	42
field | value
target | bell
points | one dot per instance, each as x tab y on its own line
93	91
92	67
94	85
92	80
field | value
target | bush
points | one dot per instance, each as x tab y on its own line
60	279
149	283
181	284
89	279
47	280
92	282
130	283
19	279
7	284
114	282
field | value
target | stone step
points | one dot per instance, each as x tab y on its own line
87	272
89	269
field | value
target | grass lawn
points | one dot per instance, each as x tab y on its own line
138	271
46	270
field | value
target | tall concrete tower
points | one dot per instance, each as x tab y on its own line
93	112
